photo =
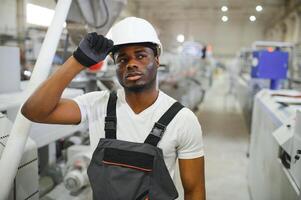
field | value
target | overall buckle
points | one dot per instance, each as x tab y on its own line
158	129
110	123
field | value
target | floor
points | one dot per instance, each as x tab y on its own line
226	141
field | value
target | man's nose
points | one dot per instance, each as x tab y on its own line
132	64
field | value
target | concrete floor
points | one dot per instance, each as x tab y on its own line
226	141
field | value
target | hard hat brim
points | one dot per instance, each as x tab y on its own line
153	46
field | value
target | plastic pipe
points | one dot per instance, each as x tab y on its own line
13	151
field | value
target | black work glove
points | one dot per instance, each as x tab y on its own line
92	49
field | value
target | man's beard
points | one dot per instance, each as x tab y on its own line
141	88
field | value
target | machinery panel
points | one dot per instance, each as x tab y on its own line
9	69
26	184
267	177
270	65
296	151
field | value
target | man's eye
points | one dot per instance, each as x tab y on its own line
122	60
140	56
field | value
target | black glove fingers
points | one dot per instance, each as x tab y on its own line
110	44
92	49
107	46
99	43
92	39
103	49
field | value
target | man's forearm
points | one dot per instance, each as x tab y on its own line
195	195
48	94
193	178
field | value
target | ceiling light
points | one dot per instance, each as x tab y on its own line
224	18
224	8
259	8
180	38
252	18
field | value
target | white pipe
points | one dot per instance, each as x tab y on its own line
13	151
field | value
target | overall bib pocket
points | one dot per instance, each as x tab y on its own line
128	159
125	174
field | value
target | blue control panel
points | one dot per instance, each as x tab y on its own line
269	65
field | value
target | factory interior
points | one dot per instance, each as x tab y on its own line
235	63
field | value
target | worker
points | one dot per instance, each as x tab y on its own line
137	133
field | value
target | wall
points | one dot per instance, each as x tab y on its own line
44	3
287	28
226	38
13	14
287	25
8	22
204	25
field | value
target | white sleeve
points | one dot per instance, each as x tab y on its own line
85	103
190	140
81	102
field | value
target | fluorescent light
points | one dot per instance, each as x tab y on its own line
180	38
224	18
224	8
252	18
259	8
38	15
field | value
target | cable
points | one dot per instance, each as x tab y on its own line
2	144
106	19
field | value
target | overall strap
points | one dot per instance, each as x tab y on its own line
159	127
111	119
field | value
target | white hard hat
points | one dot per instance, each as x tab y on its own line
134	30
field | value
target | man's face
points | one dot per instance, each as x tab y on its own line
136	68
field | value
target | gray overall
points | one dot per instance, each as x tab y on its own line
121	170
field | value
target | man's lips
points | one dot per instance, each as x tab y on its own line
133	76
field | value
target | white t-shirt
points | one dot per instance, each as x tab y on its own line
182	138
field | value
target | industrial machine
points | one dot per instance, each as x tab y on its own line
42	164
265	65
10	79
75	184
93	15
28	167
271	65
186	76
296	152
274	167
289	140
273	117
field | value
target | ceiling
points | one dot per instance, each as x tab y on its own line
200	20
171	10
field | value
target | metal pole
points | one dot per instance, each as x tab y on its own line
66	48
13	151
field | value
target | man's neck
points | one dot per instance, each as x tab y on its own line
139	101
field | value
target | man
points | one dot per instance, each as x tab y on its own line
139	105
